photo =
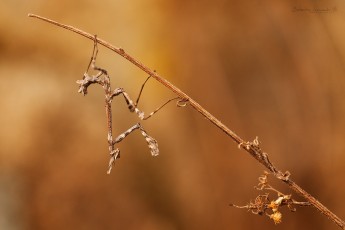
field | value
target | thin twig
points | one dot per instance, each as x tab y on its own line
251	147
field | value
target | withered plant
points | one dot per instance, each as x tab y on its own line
262	203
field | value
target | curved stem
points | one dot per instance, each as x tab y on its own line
251	147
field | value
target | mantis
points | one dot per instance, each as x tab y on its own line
102	78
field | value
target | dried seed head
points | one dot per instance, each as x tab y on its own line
274	205
276	217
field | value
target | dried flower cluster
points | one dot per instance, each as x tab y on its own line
264	205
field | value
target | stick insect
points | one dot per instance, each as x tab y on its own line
102	78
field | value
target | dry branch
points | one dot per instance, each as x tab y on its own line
252	148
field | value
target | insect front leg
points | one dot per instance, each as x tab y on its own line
115	153
131	106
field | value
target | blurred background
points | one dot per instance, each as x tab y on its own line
272	69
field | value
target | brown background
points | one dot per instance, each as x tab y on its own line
265	68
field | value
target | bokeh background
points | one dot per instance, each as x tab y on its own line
272	69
